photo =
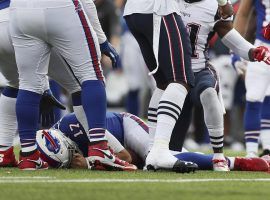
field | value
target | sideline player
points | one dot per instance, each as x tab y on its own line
257	79
132	133
82	54
163	40
206	91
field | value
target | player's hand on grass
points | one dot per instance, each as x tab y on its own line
239	65
261	53
226	10
266	32
108	50
47	104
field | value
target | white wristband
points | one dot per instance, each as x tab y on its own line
222	2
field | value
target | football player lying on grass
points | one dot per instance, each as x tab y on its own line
65	145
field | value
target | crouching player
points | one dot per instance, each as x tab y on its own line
125	130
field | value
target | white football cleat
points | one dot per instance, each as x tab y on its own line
251	155
220	165
164	160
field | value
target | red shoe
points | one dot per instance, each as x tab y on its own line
250	164
101	157
7	158
220	165
32	162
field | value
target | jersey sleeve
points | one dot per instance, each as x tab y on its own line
114	143
91	12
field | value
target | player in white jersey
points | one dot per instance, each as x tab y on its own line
37	26
257	79
202	20
162	38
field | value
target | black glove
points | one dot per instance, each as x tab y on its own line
47	104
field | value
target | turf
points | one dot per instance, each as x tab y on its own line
11	188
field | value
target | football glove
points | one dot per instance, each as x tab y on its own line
108	50
261	53
239	65
47	104
266	32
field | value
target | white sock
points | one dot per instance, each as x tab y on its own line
231	162
152	115
80	115
169	110
252	149
265	138
213	117
8	121
218	156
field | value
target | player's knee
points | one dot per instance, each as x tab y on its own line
208	98
254	96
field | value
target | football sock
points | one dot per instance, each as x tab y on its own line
169	110
8	120
27	111
78	109
203	161
152	115
132	102
265	123
213	116
252	126
94	104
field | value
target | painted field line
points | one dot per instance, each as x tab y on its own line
26	177
29	180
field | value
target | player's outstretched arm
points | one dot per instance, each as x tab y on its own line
234	41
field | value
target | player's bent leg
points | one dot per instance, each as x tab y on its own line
213	116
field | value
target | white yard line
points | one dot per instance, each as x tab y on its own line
54	180
25	177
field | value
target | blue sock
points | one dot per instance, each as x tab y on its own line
265	117
27	111
132	102
95	105
265	124
202	160
252	125
56	91
10	92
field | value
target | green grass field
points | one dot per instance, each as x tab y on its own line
83	184
91	185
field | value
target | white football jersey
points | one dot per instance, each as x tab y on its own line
159	7
200	19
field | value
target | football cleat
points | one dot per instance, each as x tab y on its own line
32	162
100	157
7	158
265	152
220	165
251	155
250	164
164	160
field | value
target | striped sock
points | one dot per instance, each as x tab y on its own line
169	110
96	135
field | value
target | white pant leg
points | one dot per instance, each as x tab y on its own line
74	38
136	136
27	29
8	65
61	73
257	81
